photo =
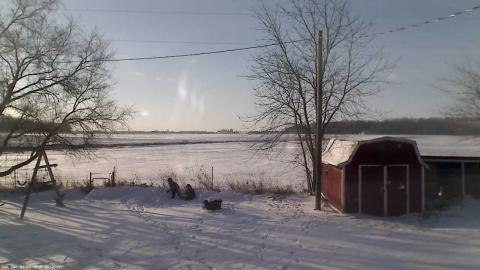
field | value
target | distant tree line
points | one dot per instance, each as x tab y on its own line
420	126
228	131
8	123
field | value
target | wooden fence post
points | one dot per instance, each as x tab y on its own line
90	182
113	177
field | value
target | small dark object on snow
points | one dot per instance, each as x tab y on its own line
212	205
1	204
189	193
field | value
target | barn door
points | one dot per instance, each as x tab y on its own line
397	184
372	191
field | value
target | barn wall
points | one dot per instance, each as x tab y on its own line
351	189
415	188
332	185
383	153
472	179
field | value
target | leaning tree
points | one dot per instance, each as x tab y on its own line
54	82
286	98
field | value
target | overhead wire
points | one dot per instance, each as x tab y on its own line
180	42
194	13
198	53
416	25
434	20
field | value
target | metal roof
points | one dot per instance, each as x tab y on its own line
339	152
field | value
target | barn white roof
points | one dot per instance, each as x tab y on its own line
341	148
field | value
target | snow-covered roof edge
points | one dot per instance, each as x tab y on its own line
358	143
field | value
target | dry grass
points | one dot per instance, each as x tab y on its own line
249	187
200	179
256	184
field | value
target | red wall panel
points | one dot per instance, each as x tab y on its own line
332	185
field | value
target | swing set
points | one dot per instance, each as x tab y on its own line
33	181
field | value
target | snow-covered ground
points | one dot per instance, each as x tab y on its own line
232	160
231	156
141	228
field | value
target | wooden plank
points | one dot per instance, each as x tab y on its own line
59	200
45	166
423	189
385	191
29	190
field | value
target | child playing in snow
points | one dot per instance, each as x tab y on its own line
189	193
174	188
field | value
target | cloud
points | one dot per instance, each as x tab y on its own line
160	78
393	77
136	73
193	100
182	91
201	105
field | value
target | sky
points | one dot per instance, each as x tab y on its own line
212	93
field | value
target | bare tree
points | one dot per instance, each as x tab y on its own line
54	82
286	96
463	83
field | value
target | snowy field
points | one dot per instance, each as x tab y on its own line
231	156
151	157
141	228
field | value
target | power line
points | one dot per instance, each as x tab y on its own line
434	20
198	53
179	42
194	13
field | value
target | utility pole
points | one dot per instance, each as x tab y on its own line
317	167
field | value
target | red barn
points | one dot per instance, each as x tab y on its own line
381	176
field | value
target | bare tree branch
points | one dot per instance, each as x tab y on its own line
286	96
53	82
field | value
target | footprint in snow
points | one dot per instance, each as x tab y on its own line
260	257
298	243
248	230
237	266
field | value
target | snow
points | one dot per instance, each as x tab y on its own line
231	161
432	145
141	228
139	139
339	151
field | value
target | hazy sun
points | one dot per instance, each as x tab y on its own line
144	113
